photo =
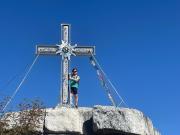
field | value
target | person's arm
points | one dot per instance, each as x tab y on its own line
75	79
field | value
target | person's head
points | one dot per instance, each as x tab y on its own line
74	71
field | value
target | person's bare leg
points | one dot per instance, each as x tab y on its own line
71	99
76	100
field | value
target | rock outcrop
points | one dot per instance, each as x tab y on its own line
98	120
112	120
67	120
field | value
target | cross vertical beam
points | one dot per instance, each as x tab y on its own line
65	36
64	79
65	33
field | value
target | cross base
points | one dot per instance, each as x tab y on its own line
63	105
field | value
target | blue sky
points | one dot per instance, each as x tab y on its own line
137	44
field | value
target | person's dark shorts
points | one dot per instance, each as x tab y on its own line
74	90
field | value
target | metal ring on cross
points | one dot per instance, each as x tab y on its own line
65	49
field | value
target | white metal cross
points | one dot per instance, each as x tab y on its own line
65	49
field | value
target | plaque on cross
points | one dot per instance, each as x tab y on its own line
66	50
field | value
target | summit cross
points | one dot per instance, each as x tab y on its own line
65	49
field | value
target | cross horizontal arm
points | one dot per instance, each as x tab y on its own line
84	50
46	49
52	50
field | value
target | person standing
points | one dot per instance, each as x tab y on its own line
74	85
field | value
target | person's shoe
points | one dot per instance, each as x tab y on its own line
76	106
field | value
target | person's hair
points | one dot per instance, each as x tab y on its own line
74	69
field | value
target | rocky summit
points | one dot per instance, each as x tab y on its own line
100	120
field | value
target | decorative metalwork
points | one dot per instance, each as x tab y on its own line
65	95
66	50
74	50
84	51
46	50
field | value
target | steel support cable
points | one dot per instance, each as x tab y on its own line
22	81
120	97
102	81
20	74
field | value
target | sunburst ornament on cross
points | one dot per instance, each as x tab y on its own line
66	50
